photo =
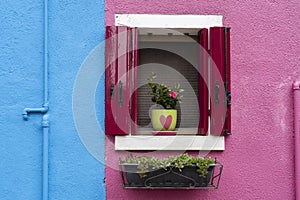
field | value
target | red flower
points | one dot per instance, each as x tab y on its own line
173	95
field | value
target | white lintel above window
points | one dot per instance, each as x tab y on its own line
168	21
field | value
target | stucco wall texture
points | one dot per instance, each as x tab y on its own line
73	172
258	160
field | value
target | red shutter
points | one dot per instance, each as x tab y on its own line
117	82
134	78
203	82
220	80
228	80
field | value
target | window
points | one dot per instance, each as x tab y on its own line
133	53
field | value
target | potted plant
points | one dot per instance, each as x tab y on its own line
175	171
164	119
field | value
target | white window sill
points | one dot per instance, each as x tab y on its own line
178	142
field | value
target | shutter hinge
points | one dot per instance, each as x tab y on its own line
111	90
228	98
225	84
226	29
228	94
226	132
208	112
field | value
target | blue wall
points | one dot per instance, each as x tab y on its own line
75	28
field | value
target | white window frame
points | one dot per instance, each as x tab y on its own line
178	142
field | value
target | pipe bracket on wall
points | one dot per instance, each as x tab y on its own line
41	110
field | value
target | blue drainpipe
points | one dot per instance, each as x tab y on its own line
45	107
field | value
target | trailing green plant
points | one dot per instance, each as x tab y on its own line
146	163
164	95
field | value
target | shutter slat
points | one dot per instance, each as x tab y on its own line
110	78
134	67
202	82
228	80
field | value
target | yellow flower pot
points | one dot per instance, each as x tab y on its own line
163	120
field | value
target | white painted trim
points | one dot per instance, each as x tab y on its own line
168	21
181	142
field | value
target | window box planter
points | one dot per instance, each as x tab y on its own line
170	177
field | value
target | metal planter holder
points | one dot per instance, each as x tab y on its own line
170	178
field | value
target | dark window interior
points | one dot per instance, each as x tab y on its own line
170	67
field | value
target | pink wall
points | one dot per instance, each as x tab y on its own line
258	160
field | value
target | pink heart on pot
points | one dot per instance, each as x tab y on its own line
166	122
